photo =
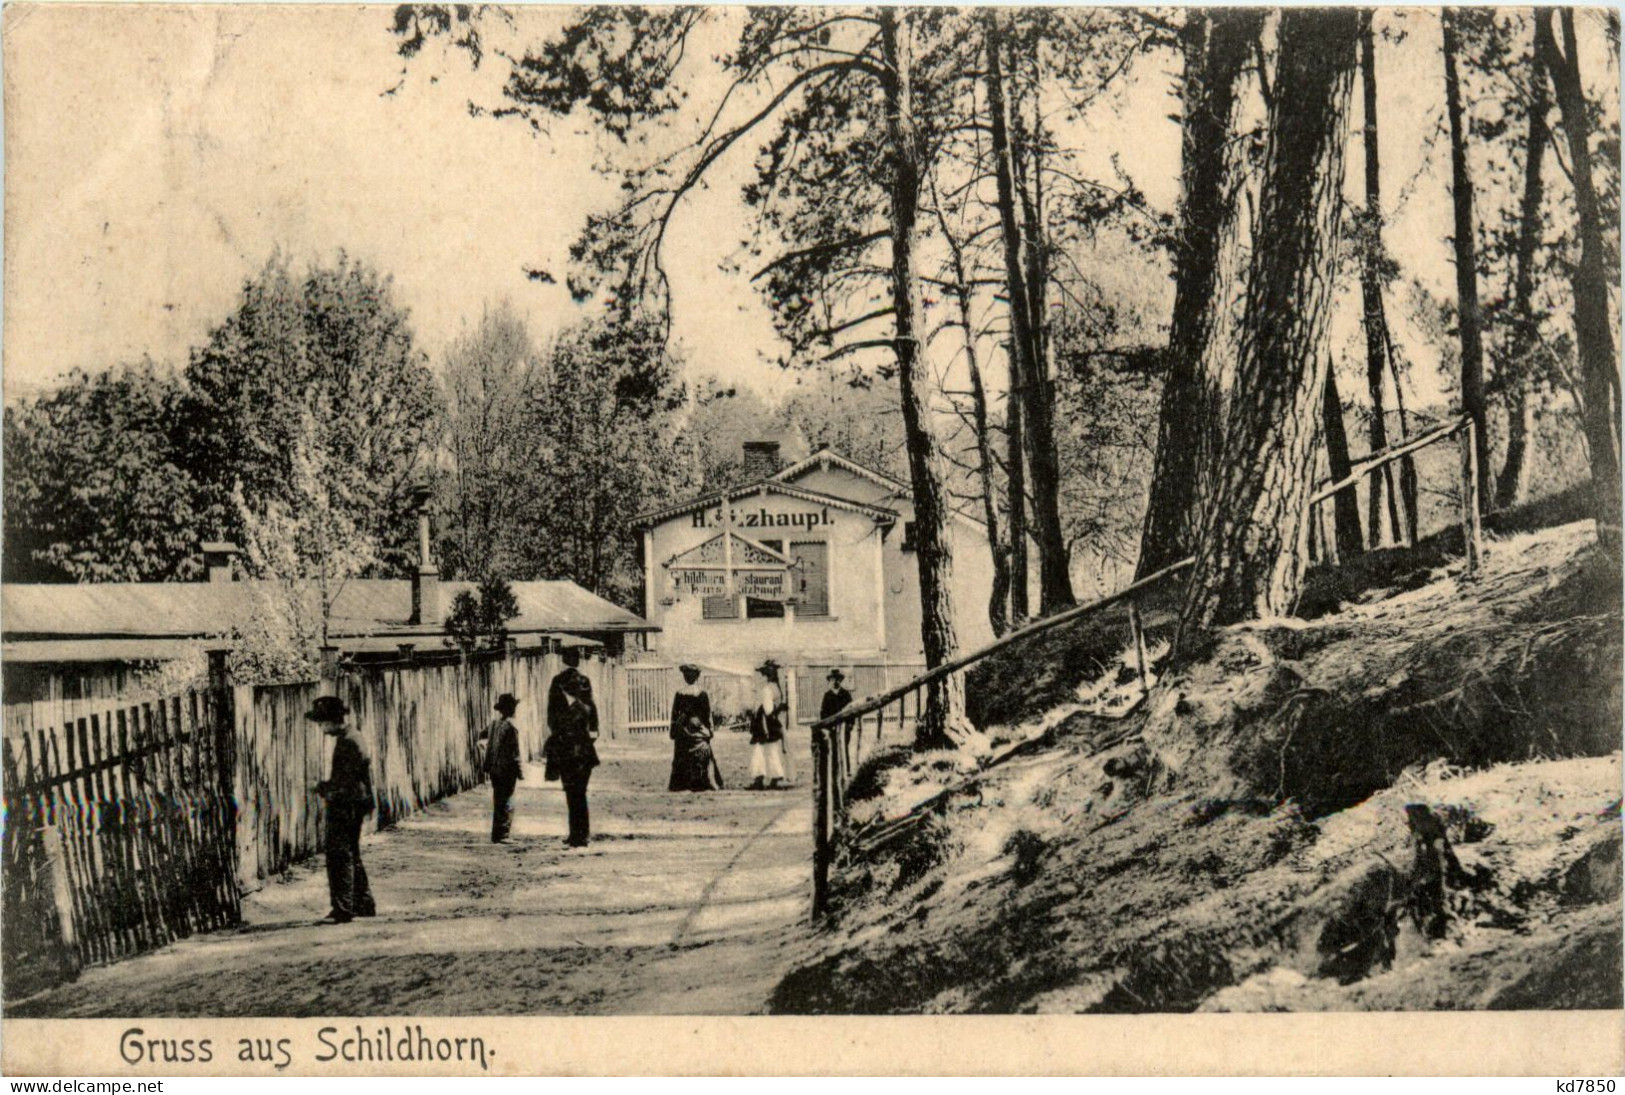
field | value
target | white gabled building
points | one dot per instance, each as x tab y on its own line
824	572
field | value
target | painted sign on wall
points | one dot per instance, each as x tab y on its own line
701	583
763	518
764	585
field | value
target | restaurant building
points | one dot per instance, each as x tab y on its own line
811	563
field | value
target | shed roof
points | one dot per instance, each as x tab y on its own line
363	607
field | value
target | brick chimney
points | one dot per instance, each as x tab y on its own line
761	460
217	557
426	578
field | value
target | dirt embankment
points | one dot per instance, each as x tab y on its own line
1412	803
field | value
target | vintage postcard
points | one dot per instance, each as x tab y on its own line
811	540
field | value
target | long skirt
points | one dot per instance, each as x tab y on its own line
767	761
693	767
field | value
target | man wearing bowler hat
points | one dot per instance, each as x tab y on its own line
347	790
837	699
502	765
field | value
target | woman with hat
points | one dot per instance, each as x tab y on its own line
769	762
347	790
693	766
502	765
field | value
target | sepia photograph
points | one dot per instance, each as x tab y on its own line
535	513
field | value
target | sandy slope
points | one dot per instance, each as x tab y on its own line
1252	850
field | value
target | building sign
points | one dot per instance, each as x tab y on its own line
763	518
764	585
749	569
701	583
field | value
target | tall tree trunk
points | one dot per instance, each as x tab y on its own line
1015	486
943	718
1248	557
1054	556
1055	586
1513	482
1375	318
1409	483
998	605
1218	43
1346	502
1469	319
1593	332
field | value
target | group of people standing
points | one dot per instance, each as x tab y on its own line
694	765
569	754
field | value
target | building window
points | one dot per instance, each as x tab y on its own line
720	608
909	543
812	584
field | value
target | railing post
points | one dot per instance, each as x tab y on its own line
842	735
822	850
1471	532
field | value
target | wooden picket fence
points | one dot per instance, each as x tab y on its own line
118	834
137	820
419	721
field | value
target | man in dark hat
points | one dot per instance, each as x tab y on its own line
569	679
347	791
502	764
837	698
572	727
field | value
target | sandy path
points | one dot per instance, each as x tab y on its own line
683	904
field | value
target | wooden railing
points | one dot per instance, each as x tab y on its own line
838	743
1461	428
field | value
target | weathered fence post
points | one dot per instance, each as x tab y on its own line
222	702
822	824
1471	531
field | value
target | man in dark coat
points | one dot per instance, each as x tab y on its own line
502	764
572	727
347	791
570	677
837	698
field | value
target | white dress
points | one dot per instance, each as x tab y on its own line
769	760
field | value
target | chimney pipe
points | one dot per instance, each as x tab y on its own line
426	578
217	557
761	460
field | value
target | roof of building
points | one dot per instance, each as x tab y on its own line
67	651
56	651
763	486
782	482
825	457
379	607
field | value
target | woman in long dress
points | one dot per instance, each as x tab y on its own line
769	759
693	766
